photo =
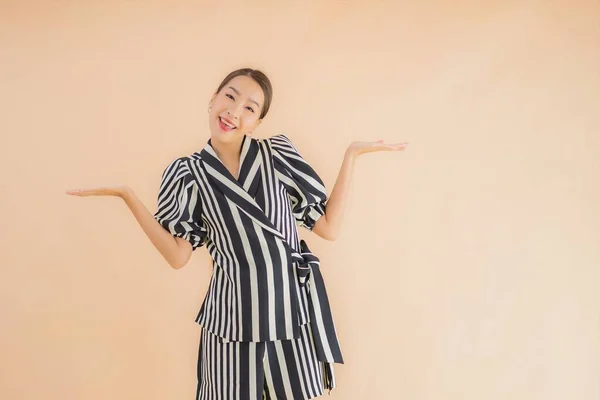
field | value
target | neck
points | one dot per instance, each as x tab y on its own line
228	151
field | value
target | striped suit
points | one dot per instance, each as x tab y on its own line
266	284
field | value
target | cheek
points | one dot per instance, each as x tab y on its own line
219	103
249	121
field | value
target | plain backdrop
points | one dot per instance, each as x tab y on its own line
467	267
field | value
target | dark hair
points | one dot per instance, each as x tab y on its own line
260	78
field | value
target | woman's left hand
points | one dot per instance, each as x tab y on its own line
115	190
357	148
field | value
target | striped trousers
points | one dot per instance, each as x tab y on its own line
283	369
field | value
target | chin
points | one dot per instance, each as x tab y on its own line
224	137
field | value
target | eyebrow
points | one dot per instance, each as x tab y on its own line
238	93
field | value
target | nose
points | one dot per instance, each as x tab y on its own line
235	111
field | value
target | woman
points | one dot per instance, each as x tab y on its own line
267	329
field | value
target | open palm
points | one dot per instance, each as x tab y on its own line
368	147
117	190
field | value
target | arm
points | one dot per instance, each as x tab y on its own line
175	250
328	226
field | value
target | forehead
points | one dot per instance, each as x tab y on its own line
247	87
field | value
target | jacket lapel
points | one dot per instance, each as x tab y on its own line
249	175
243	190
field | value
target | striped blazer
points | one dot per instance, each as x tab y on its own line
265	283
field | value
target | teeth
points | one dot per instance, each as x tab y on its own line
227	123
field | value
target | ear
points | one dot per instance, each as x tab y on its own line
212	99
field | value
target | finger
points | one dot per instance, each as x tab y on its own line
383	147
393	147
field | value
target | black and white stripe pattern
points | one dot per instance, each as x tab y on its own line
282	369
257	291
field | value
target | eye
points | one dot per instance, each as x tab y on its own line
250	108
230	96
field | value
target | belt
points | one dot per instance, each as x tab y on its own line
321	319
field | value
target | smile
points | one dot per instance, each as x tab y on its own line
226	125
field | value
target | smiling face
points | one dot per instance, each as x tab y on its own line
235	110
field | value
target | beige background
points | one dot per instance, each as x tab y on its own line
468	265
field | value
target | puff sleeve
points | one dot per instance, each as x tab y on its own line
306	191
179	204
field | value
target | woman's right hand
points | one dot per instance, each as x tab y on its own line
175	250
118	191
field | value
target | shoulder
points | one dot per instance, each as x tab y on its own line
183	161
281	143
279	139
180	166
